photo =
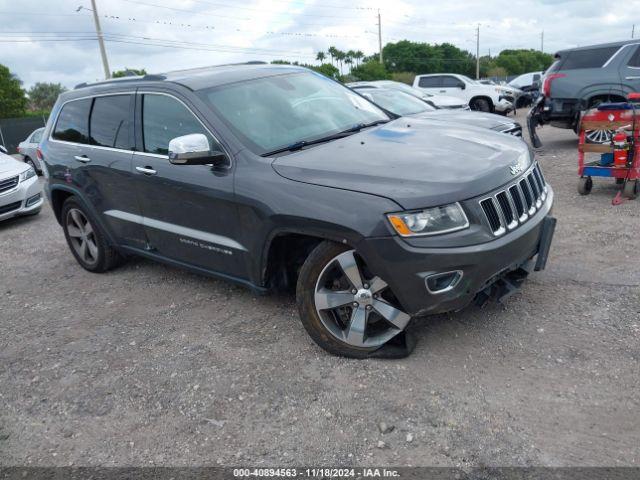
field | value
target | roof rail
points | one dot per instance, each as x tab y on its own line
148	77
210	67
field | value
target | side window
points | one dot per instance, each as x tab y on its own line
591	58
451	82
164	118
36	137
429	82
634	61
73	122
110	125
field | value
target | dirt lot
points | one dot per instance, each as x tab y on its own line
152	365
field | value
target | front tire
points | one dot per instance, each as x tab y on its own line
481	105
86	241
585	184
343	307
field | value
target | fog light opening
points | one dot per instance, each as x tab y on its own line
443	282
32	200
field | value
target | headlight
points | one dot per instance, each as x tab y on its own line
27	174
430	221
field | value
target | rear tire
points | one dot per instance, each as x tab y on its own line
585	184
87	242
344	309
481	105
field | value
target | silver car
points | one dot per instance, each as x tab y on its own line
28	150
445	102
20	191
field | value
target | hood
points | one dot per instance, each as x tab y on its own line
415	162
476	119
10	166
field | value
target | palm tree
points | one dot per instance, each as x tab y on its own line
320	57
348	61
340	56
332	51
358	55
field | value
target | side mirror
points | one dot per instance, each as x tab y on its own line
3	150
462	86
194	149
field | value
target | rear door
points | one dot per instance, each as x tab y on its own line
92	137
189	211
430	84
630	70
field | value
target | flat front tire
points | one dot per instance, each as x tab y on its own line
345	309
86	241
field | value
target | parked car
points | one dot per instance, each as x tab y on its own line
402	104
582	78
274	176
20	192
436	101
527	81
28	149
485	98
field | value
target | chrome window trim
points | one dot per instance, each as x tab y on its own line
617	53
134	152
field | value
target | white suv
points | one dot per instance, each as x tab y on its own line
485	98
20	191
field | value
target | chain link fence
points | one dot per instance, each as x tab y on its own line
15	130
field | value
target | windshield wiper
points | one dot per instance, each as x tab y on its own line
306	143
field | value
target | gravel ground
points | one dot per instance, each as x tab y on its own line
151	365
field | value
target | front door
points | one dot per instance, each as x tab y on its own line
188	211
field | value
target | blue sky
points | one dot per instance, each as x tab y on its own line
49	41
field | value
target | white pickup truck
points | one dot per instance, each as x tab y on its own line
485	98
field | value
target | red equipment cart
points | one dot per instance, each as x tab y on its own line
620	158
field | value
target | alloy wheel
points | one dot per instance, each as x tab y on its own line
357	309
82	236
599	136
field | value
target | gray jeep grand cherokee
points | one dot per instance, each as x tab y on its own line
275	176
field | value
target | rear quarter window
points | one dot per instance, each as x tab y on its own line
73	122
591	58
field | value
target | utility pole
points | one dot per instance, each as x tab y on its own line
103	52
633	30
478	53
542	41
380	35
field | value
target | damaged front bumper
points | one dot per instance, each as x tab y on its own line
535	118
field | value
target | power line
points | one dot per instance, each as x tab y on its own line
216	4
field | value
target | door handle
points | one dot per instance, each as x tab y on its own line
82	158
443	91
146	170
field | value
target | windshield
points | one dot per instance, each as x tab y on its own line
397	102
270	113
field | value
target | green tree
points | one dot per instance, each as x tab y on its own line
332	51
320	56
371	70
13	101
407	56
358	56
516	62
128	72
43	95
326	69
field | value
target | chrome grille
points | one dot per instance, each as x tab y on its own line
9	183
513	205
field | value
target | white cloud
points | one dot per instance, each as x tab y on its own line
288	29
